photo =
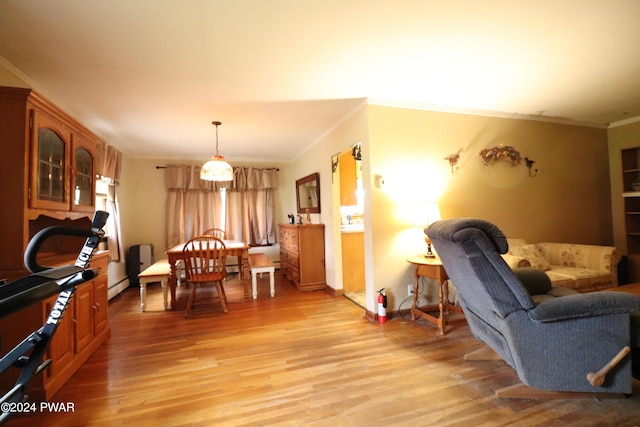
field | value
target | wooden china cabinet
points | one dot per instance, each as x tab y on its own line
302	255
48	178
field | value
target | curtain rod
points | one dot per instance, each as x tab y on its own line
277	169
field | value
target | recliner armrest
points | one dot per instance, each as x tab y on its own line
584	305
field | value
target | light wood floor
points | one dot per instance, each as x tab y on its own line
298	359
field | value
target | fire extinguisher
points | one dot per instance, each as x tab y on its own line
382	306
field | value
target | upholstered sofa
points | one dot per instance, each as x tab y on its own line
584	268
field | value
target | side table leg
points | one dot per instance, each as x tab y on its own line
446	296
414	307
442	321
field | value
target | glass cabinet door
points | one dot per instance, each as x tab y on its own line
49	187
83	176
51	166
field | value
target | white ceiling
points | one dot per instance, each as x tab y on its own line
149	76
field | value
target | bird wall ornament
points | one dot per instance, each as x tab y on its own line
529	163
453	160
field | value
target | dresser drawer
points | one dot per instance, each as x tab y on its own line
100	262
294	261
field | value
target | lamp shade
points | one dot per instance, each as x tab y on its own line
216	169
426	214
433	213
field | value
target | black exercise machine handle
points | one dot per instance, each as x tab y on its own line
31	253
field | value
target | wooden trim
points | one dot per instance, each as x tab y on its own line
332	291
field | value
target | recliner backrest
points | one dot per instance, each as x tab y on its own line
470	252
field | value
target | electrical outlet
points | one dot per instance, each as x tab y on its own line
410	289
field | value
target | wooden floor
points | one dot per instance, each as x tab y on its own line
298	359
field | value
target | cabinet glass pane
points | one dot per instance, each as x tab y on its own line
50	166
83	191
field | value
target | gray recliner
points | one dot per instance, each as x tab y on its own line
552	345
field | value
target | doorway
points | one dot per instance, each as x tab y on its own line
352	224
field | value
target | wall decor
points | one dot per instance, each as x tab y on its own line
335	159
507	153
453	161
529	163
308	193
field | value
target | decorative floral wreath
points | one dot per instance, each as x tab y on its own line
503	152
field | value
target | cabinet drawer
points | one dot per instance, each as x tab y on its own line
293	243
100	262
294	261
295	275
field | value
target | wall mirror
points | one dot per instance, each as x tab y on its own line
308	193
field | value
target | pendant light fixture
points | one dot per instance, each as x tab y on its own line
216	169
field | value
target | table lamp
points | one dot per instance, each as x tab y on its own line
429	213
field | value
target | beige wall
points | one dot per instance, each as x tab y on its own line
317	158
142	200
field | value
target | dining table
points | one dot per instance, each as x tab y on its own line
235	248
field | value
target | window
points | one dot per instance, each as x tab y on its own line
102	191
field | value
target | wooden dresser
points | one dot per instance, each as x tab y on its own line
48	179
302	258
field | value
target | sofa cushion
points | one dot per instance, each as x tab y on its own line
579	256
536	281
580	279
531	253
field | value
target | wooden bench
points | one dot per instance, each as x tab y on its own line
259	263
158	272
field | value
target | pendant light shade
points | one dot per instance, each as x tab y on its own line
216	169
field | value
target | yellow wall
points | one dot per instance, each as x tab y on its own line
568	200
8	77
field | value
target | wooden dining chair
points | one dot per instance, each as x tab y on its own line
204	262
216	232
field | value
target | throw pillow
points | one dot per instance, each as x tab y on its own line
532	254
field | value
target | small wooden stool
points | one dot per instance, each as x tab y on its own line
259	263
158	272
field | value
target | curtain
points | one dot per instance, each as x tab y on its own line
109	161
251	203
194	205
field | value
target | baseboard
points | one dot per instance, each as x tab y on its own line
118	287
334	292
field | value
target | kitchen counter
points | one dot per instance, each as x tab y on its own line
352	228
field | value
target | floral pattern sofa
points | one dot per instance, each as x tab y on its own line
584	268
